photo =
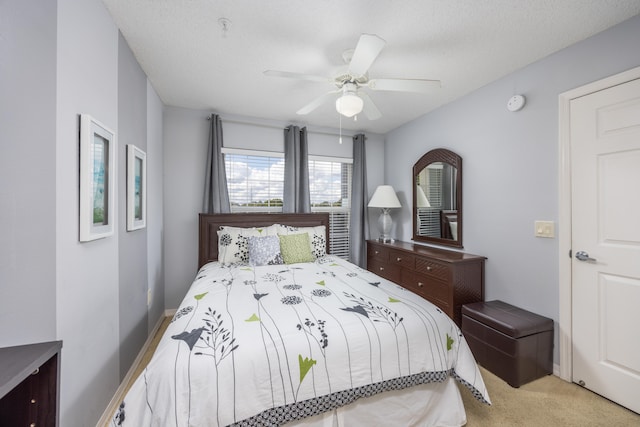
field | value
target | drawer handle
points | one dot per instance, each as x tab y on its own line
381	268
420	284
429	268
398	259
376	252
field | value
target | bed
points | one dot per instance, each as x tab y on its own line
298	338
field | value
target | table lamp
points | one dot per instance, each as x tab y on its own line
385	198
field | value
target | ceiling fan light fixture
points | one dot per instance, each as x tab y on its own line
349	104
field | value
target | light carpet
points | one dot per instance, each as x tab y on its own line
548	402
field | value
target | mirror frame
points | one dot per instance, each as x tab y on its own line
445	156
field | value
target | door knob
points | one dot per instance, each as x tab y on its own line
584	256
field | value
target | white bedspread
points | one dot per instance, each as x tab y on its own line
262	346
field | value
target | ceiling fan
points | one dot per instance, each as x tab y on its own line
354	100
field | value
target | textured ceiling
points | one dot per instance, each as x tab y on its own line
193	63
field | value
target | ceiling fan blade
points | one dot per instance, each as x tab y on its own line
370	110
368	48
299	76
404	85
316	103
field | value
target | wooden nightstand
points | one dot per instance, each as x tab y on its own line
29	384
448	279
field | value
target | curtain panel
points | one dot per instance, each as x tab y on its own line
359	218
296	198
216	194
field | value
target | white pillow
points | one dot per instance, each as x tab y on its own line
317	237
233	242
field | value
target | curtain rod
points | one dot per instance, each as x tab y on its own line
270	126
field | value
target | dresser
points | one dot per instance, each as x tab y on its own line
29	384
448	279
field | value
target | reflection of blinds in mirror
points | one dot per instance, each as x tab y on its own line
429	221
434	185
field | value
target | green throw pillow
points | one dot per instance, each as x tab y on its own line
295	248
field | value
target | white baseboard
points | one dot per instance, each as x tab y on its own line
105	419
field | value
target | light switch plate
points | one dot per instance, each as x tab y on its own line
544	229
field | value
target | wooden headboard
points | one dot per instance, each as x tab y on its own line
209	225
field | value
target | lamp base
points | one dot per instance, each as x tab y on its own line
385	222
386	239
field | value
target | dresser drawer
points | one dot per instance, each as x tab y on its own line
378	253
433	269
439	293
403	259
446	308
433	290
411	281
386	270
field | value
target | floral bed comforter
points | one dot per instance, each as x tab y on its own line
262	346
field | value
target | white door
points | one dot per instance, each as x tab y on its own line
605	234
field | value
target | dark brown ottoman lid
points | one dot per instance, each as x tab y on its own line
512	321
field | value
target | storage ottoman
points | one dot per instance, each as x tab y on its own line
513	343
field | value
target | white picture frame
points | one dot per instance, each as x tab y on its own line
97	179
136	188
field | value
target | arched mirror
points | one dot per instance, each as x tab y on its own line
437	198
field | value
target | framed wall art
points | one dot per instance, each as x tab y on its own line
136	188
97	179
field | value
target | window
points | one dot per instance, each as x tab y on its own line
330	191
255	181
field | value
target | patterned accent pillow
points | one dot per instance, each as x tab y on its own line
295	248
264	250
317	237
233	242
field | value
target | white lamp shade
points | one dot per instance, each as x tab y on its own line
384	197
349	104
421	198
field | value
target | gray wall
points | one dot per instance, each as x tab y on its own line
185	138
27	172
155	203
132	129
186	133
510	163
60	59
87	273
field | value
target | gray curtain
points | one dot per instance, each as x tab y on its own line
359	218
296	197
216	194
